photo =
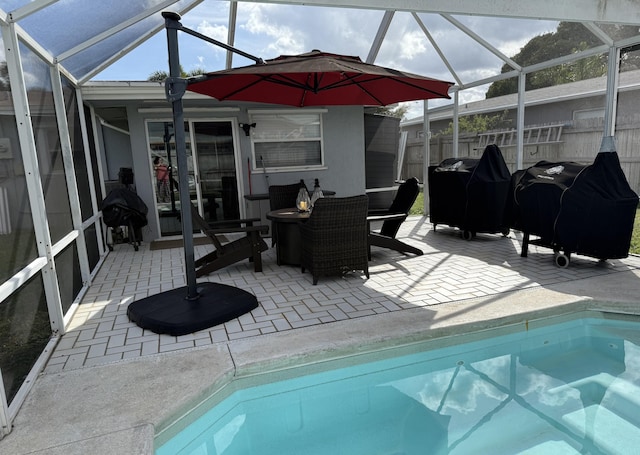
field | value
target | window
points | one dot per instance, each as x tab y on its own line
287	139
588	113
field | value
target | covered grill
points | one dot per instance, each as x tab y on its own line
470	193
123	207
574	208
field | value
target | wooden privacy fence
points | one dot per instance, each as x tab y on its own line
580	142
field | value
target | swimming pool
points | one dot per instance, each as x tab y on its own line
570	387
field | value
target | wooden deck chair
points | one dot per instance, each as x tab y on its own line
250	246
393	217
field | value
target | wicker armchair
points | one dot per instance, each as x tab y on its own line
334	239
281	197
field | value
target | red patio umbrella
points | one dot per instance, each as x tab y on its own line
318	79
313	79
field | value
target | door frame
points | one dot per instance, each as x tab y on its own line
237	153
237	157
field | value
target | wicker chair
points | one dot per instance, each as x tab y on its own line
334	239
281	197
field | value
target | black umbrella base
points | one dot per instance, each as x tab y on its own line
171	313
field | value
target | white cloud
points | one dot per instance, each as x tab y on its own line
269	30
284	39
216	53
217	32
412	45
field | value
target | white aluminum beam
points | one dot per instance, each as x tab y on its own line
456	132
231	32
437	48
611	11
72	184
5	420
125	50
520	120
426	157
379	38
32	176
599	33
482	42
32	44
113	30
613	74
95	209
29	8
101	176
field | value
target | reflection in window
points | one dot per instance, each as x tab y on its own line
168	204
287	140
17	238
48	148
24	332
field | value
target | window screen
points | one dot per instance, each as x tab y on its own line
282	140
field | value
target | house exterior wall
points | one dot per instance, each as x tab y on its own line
343	145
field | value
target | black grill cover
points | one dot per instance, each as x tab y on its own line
123	207
587	209
470	193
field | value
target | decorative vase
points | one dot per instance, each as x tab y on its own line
317	193
303	201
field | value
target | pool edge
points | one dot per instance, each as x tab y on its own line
278	355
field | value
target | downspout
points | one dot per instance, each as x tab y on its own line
426	156
611	101
522	78
456	132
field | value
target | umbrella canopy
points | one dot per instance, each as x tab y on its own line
318	79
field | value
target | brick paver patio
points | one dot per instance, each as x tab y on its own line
451	269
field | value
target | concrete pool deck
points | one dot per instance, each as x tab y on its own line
110	387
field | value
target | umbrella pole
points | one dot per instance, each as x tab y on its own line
175	91
206	304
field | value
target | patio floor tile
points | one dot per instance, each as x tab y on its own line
451	269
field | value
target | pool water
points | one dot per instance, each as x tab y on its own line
566	388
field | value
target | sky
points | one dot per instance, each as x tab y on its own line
269	30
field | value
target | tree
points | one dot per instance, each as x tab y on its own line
389	111
5	85
161	75
479	123
569	37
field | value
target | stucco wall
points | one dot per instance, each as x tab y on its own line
343	141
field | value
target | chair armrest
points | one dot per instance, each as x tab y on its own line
262	229
376	212
247	221
389	216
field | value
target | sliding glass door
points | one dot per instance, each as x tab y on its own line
216	164
211	158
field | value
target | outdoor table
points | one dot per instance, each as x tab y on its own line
289	243
259	203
